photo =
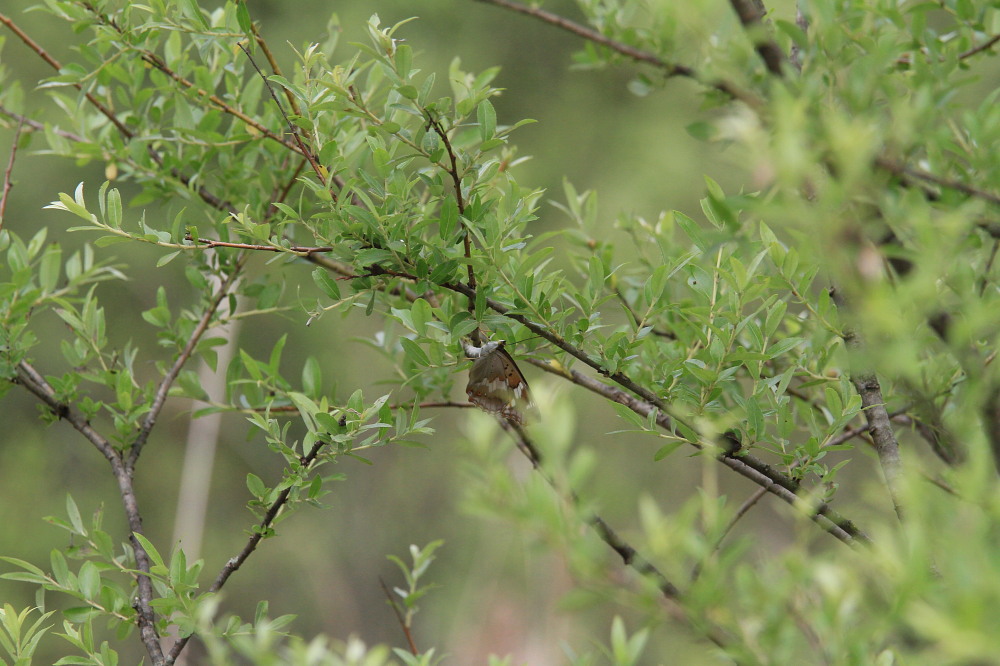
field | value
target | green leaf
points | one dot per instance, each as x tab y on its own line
256	486
154	555
486	116
243	18
73	512
414	352
666	450
89	580
327	284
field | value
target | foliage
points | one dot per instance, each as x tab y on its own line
782	332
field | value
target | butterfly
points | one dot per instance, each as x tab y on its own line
496	384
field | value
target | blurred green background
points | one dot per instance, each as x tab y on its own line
501	590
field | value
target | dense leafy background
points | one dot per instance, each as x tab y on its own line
517	574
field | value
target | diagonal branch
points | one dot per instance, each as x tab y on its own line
261	529
751	14
168	379
669	69
628	554
30	378
8	183
744	464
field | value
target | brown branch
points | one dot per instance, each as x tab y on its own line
899	169
155	61
8	183
850	433
36	126
28	377
456	180
638	320
751	15
629	555
160	396
744	464
208	243
233	564
55	64
669	69
742	511
399	617
273	62
291	128
988	44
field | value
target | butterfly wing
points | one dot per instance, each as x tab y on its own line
497	386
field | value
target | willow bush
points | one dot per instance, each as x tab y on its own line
834	318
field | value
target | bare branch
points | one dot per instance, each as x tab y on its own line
28	377
259	531
399	616
161	392
669	69
751	14
8	183
899	169
744	464
742	511
979	48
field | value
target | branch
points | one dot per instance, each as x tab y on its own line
744	464
8	184
260	530
28	377
751	13
155	61
669	69
886	446
742	511
899	169
208	243
291	128
168	379
988	44
56	65
629	555
456	180
399	617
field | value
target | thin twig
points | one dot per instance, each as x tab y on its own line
306	152
8	183
208	243
744	464
988	44
456	180
742	511
399	617
899	169
751	15
56	65
629	555
669	69
33	381
638	321
160	397
233	564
